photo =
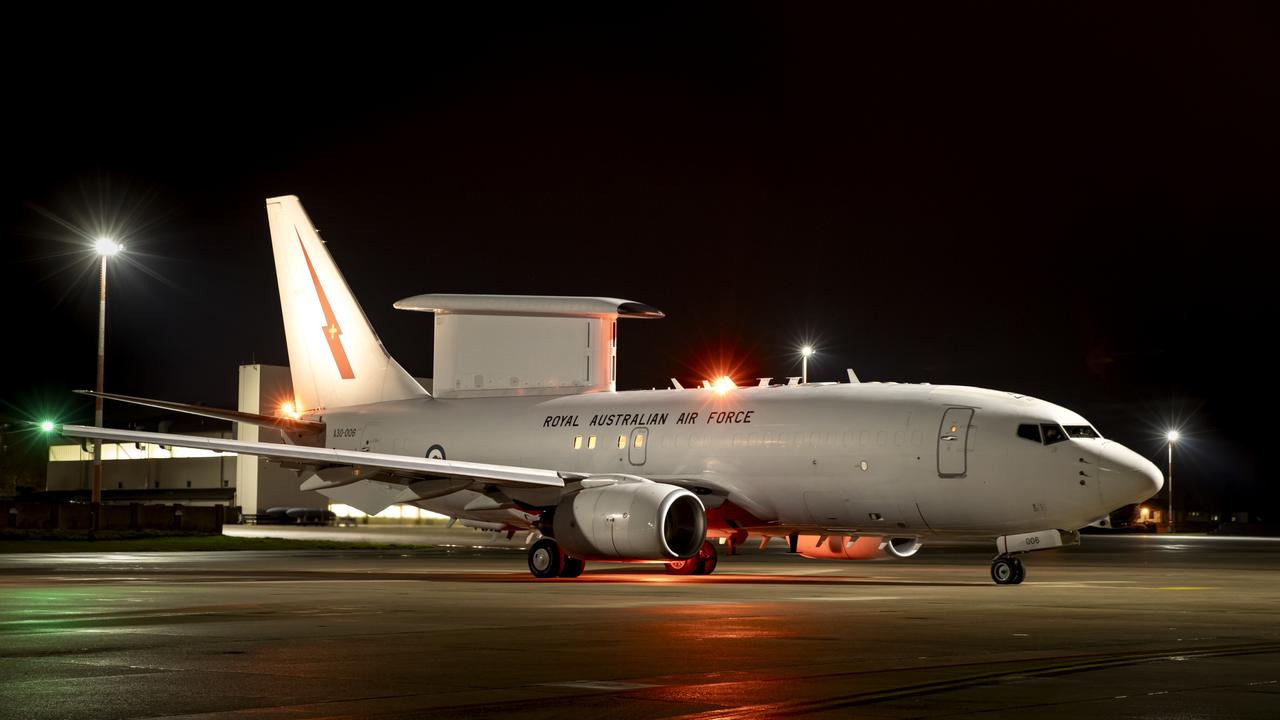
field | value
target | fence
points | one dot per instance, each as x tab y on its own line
18	515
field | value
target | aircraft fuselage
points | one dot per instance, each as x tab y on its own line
886	459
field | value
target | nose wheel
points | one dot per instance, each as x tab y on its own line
1007	570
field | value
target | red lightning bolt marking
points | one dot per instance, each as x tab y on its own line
332	333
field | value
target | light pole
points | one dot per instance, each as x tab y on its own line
106	247
1172	437
805	352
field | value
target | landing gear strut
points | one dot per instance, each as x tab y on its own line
704	563
1007	570
547	560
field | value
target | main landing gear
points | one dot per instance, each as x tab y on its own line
704	563
1007	570
547	560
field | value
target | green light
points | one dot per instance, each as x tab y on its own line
47	426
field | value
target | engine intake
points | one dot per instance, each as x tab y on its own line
631	521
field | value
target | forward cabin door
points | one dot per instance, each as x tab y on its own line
639	439
953	442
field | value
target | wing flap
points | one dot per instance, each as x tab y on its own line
370	496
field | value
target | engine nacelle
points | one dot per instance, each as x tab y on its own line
866	547
631	521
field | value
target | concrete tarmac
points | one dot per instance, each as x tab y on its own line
1128	626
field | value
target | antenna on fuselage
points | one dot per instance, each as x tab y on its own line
853	377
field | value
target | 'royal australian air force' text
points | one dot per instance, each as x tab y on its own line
715	417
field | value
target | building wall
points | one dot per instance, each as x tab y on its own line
264	389
71	468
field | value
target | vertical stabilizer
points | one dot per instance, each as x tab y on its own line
335	357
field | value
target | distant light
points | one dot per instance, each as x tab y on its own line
1174	435
723	384
288	410
107	246
47	426
807	350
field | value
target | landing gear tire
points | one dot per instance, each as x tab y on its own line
573	567
707	559
546	559
1007	571
704	563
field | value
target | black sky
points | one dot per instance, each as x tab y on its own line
1079	206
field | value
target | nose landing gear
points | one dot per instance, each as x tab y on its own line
1007	570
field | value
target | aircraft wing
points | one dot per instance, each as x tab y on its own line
402	465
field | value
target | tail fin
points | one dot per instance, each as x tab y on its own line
335	357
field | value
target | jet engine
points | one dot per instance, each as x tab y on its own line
630	520
865	547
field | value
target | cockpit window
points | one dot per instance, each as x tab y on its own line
1081	431
1053	433
1029	432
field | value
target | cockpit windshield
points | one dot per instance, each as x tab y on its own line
1053	433
1081	431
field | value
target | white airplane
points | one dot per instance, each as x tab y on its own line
852	470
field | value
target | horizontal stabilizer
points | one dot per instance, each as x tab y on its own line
283	423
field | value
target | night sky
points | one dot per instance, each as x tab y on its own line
1076	206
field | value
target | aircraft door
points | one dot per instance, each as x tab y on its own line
639	439
953	442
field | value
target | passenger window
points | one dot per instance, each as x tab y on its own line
1029	432
640	440
591	443
577	443
1052	433
622	441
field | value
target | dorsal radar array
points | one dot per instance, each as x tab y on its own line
503	345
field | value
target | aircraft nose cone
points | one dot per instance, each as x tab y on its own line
1152	476
1127	476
